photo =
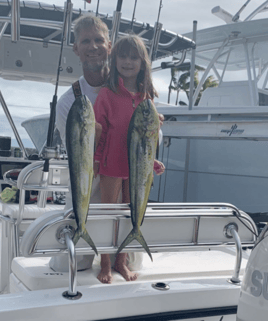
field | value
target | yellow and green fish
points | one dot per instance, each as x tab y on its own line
142	143
80	135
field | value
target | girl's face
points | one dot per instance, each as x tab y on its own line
128	65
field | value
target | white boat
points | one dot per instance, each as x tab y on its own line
217	150
200	249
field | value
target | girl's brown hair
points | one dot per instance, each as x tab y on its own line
126	45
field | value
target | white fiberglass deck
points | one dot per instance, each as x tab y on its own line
35	273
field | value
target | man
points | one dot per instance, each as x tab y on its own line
92	46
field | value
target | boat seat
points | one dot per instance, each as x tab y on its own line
15	218
167	228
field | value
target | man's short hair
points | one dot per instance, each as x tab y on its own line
88	22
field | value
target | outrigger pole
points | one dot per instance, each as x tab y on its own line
50	152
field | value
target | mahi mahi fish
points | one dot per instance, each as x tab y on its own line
80	134
142	142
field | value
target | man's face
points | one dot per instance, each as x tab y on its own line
93	48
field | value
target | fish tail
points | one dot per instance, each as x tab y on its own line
135	235
86	237
76	237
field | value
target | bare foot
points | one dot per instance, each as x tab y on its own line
120	266
126	273
105	275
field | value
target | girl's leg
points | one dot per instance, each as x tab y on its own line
121	259
110	188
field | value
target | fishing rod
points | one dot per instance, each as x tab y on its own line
50	152
159	10
237	15
54	101
133	16
97	10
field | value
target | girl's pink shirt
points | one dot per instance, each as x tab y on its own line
114	111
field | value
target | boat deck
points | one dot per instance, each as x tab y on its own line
196	284
35	273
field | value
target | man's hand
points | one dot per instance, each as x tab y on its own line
161	119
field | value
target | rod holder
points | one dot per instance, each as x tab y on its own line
67	32
42	195
115	26
72	293
155	41
15	20
231	231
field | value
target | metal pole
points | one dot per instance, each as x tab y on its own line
191	92
156	36
97	10
255	77
186	169
237	15
116	22
69	24
225	66
133	16
3	28
72	265
154	45
255	12
251	91
192	68
15	20
235	277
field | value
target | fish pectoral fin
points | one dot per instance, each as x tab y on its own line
86	237
135	235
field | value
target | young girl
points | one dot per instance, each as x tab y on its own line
129	84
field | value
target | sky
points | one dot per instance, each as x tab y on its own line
175	15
